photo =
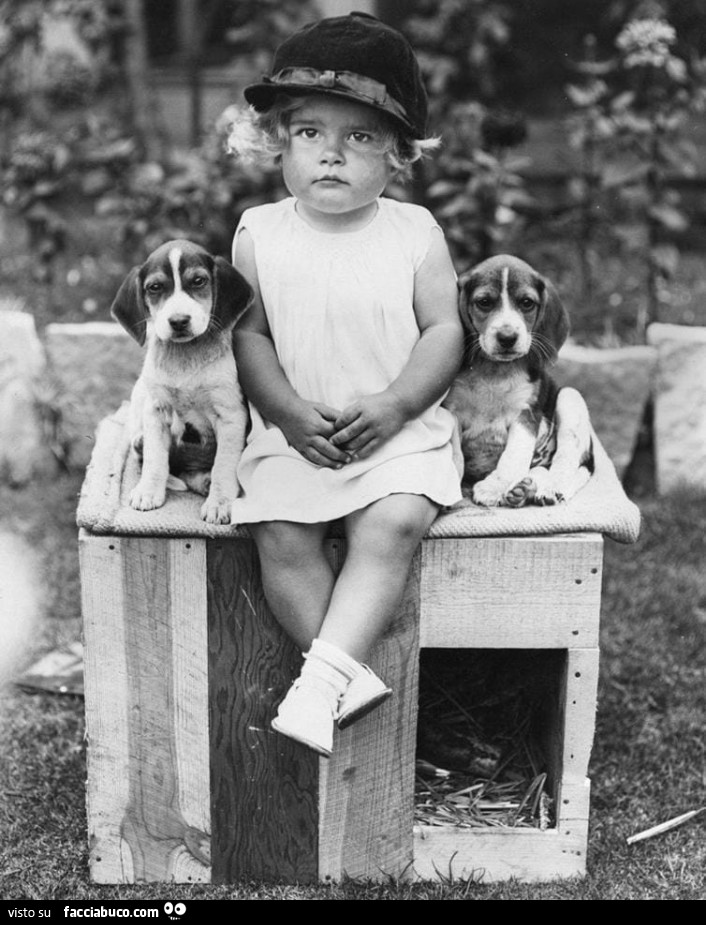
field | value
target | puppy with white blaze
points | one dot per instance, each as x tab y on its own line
523	440
188	417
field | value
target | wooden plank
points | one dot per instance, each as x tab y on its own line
527	855
573	805
367	787
157	836
515	592
580	711
569	739
548	723
189	657
264	787
145	821
105	690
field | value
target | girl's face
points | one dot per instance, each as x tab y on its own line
335	163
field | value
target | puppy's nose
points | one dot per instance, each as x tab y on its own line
506	338
179	323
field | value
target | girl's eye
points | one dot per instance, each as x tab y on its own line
307	133
361	138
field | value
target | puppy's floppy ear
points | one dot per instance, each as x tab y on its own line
232	292
466	284
553	321
129	308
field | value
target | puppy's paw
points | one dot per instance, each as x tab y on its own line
216	510
147	497
546	492
521	494
548	498
490	491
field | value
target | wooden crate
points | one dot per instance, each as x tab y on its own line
184	667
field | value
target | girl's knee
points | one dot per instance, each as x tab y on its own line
394	523
285	543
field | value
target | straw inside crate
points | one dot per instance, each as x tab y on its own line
482	721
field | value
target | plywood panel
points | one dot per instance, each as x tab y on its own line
264	787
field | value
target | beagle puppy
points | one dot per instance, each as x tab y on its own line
187	412
522	439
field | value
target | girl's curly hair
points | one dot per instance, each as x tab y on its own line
259	138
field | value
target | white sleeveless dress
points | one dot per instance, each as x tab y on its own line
340	311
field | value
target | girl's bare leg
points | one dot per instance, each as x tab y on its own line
296	576
337	622
381	541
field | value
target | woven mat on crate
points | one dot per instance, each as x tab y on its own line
600	507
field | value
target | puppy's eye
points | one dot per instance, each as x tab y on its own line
483	303
527	304
198	282
155	288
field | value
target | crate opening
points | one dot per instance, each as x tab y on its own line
489	737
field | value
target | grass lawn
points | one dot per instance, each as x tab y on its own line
647	764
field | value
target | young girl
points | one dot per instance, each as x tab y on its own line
345	355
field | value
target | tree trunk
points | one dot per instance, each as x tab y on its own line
143	104
191	33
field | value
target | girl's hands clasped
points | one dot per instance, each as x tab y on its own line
309	429
367	423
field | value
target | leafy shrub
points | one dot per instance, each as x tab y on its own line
630	119
474	185
476	188
197	194
68	82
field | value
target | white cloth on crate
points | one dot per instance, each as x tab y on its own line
341	315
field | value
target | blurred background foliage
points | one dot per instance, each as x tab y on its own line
96	172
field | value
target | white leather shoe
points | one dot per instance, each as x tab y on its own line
306	716
365	692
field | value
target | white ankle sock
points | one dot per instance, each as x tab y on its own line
336	657
329	669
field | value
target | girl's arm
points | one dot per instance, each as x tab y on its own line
306	425
430	370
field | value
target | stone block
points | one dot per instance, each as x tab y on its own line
679	406
95	365
616	385
20	601
26	415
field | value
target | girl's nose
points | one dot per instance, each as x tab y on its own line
332	152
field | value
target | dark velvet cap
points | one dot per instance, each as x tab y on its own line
356	57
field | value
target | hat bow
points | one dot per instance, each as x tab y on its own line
365	88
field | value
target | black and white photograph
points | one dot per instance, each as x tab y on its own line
313	589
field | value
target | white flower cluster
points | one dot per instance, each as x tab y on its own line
646	43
